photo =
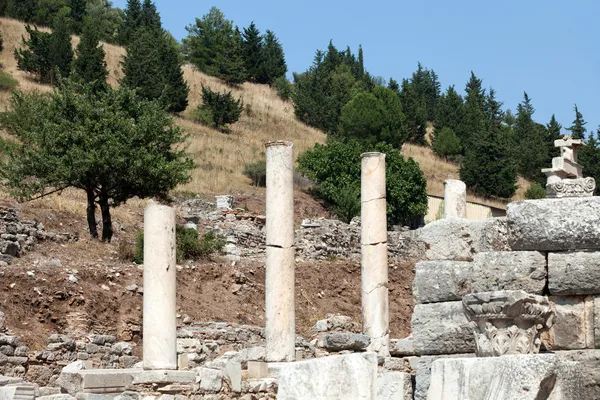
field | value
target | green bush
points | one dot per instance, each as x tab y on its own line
335	168
535	191
218	109
347	203
446	143
284	88
257	171
189	245
7	82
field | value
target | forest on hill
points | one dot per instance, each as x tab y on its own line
357	110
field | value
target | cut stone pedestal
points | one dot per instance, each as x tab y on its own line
455	199
522	377
347	377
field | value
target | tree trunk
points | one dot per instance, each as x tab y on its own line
91	213
107	230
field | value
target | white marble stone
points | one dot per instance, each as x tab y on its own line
455	199
394	385
374	265
280	329
160	314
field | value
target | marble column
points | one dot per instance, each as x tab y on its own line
280	328
160	315
455	199
374	266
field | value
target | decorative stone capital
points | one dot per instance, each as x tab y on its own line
582	187
507	321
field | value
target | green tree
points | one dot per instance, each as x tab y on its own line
535	191
61	51
46	11
252	44
374	117
90	66
113	146
176	89
149	17
107	20
553	128
335	167
449	110
474	113
272	60
35	56
78	9
589	157
578	128
531	149
446	143
131	22
415	109
219	109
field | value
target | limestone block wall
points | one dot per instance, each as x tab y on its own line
546	247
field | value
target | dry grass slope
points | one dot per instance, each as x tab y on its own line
220	157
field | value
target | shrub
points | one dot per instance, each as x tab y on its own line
446	143
7	82
335	168
284	88
257	171
189	246
218	109
535	191
347	203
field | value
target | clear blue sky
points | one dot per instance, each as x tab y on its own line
548	48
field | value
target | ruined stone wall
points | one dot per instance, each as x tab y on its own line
545	247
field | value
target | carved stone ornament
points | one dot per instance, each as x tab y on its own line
507	321
582	187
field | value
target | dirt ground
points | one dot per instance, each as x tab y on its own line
82	287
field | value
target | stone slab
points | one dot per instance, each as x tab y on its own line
394	386
554	224
574	272
162	376
348	377
422	366
439	281
589	361
441	328
573	327
522	377
257	369
338	341
402	347
95	381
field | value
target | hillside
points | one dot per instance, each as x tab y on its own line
221	157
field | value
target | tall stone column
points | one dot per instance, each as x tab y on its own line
374	268
280	327
455	199
160	319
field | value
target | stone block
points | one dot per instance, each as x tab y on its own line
402	347
573	327
19	391
493	234
441	328
554	224
589	362
61	396
99	381
422	366
394	386
574	272
522	377
438	281
233	371
211	380
348	377
339	341
257	369
449	239
162	376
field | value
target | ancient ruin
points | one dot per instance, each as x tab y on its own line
565	178
506	308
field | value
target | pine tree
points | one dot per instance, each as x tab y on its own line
531	146
176	90
449	110
393	85
142	65
446	143
553	128
149	17
34	57
361	62
90	66
61	52
132	21
578	128
78	14
474	117
272	65
231	64
415	110
252	45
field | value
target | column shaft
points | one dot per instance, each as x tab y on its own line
455	199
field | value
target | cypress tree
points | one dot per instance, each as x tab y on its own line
252	44
90	66
176	90
272	65
578	128
78	14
